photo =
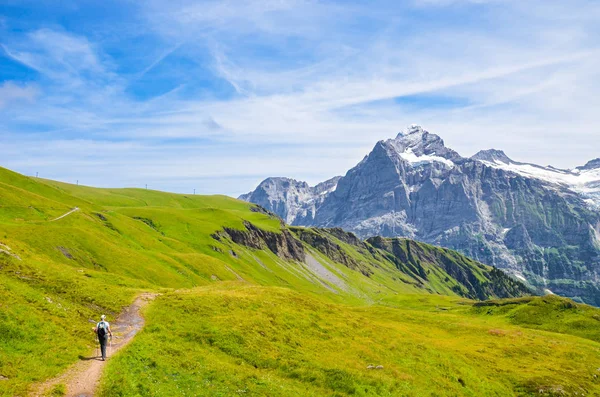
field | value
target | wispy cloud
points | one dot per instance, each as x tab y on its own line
11	92
245	89
158	60
55	54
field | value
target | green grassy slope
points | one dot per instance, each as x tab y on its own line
402	265
231	340
549	313
57	276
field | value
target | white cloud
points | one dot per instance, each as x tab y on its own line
525	80
10	91
55	54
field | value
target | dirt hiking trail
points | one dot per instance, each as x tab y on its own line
67	214
82	379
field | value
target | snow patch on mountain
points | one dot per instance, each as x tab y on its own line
582	180
416	161
412	135
418	146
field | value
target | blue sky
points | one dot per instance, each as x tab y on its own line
217	95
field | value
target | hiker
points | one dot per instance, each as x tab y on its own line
103	331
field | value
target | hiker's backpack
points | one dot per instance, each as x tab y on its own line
102	329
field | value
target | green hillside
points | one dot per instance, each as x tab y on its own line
229	340
254	307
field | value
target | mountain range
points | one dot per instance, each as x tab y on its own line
541	224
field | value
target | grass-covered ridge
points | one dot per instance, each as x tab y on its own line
411	266
57	275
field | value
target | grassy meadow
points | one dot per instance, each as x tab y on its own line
236	320
235	339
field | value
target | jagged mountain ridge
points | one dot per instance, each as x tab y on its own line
584	180
540	223
290	199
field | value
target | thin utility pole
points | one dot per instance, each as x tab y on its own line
394	217
36	174
146	186
194	191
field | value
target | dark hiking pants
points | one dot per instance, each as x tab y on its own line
103	341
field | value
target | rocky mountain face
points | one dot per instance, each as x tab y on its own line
291	200
541	224
584	180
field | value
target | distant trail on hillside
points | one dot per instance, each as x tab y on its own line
82	379
67	214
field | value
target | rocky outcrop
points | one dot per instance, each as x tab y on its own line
346	237
537	222
322	241
283	244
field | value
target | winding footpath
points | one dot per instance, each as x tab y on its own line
67	214
83	378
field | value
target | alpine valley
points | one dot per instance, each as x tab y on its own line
541	224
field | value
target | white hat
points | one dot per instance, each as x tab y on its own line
102	317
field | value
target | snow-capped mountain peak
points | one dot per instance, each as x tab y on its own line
413	129
418	146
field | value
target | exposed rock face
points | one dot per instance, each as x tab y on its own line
291	200
492	155
540	223
321	240
591	165
281	244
